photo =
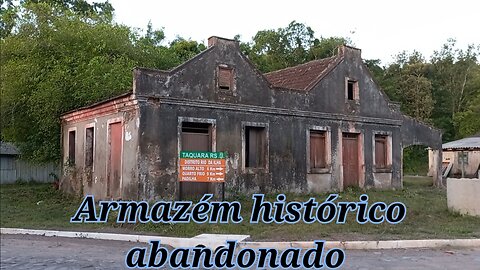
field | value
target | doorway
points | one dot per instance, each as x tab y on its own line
351	169
196	137
115	160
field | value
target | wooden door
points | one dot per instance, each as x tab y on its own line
196	140
115	160
350	160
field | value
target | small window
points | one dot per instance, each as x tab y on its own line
225	78
317	150
352	90
463	158
89	138
255	147
71	147
380	151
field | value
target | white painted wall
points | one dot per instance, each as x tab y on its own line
463	195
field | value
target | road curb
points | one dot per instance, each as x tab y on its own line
207	240
214	242
371	245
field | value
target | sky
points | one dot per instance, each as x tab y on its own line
381	29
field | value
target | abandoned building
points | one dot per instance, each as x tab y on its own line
461	158
321	126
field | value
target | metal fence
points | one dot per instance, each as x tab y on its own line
13	169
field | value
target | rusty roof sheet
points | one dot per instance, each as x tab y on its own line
8	149
463	144
302	77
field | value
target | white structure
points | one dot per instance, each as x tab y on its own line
462	196
461	158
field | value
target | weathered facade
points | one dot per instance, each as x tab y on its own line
317	127
461	158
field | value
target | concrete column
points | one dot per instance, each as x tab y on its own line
437	168
337	172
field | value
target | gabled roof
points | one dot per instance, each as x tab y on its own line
468	143
8	149
302	77
179	67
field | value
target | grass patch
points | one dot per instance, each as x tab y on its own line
40	206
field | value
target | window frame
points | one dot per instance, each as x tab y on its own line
213	131
68	159
388	151
462	158
328	149
207	130
356	91
231	69
89	126
266	166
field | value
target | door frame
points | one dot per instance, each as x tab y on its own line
107	169
361	156
213	141
213	131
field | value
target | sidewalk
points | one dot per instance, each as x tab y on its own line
216	240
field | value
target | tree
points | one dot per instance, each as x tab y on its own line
82	8
269	51
406	81
326	47
453	76
10	11
150	51
415	92
467	122
379	75
185	49
293	45
60	58
153	54
55	63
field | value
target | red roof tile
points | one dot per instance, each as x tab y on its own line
304	76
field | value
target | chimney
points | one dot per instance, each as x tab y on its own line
346	50
214	40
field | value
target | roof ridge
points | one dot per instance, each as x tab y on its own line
8	148
305	76
303	64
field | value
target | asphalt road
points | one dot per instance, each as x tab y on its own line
37	252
